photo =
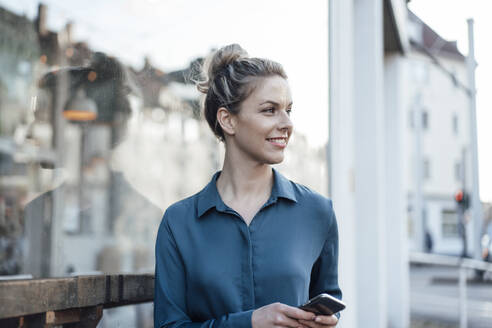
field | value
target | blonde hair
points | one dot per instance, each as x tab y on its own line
227	76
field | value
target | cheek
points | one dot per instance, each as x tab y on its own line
256	128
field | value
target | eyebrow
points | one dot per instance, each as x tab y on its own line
274	103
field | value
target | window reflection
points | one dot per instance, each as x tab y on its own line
85	140
92	151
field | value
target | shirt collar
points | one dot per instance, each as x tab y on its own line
282	187
209	197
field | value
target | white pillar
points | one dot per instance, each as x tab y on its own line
366	168
370	182
342	149
396	200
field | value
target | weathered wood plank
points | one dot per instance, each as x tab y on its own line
25	297
85	317
137	286
62	316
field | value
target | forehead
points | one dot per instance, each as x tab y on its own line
271	88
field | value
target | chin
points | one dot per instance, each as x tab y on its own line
274	160
267	156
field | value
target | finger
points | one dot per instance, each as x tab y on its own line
284	321
326	319
313	324
300	325
310	324
297	313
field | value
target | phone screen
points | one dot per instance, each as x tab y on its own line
323	304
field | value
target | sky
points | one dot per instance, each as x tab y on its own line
174	32
294	33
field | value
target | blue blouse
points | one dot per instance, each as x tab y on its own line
213	270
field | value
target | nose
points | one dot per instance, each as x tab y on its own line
285	123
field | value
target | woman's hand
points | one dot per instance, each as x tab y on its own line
321	321
280	315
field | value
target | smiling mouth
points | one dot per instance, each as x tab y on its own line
278	141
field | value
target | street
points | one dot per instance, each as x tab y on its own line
434	300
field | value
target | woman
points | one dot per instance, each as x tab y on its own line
251	246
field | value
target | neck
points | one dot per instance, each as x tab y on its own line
242	179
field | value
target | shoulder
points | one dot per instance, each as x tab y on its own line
309	197
176	218
181	210
301	194
312	202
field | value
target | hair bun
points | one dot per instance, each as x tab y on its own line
223	57
218	60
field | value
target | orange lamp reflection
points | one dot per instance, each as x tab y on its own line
79	115
80	108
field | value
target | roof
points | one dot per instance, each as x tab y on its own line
394	26
425	39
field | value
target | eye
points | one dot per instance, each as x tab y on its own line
289	111
269	110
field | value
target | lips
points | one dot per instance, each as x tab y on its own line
281	141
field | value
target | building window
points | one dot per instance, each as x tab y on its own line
426	169
425	120
455	124
449	224
410	225
457	171
420	72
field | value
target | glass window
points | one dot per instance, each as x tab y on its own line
425	120
410	224
100	126
455	124
449	224
420	72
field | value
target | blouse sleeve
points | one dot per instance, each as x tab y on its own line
170	289
324	275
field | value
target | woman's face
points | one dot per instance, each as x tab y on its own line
263	126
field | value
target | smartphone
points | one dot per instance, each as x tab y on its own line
323	304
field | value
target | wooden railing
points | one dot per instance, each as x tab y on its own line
69	302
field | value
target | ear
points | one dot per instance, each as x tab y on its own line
227	121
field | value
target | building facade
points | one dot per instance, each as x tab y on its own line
439	145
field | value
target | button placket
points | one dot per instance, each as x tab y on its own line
250	273
256	222
247	261
247	288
